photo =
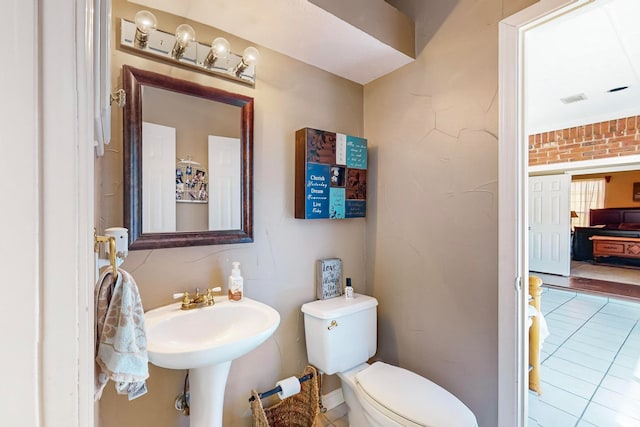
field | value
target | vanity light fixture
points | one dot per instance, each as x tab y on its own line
146	24
181	48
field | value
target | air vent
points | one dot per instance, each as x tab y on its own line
618	89
573	98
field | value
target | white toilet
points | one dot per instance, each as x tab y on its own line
341	337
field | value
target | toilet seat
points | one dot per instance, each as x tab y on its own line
411	400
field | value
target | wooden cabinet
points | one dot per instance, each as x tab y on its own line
331	175
582	244
626	247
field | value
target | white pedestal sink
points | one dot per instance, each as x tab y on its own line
205	341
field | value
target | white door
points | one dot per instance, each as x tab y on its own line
225	208
550	224
158	178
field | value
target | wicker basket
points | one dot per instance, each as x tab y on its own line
299	410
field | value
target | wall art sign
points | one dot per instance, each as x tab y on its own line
328	278
331	175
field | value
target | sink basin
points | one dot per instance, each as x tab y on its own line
187	339
205	341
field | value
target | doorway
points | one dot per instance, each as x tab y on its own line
513	211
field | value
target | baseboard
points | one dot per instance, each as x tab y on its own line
332	399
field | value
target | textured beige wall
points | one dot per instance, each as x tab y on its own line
432	236
278	267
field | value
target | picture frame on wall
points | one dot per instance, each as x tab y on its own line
328	278
636	191
330	175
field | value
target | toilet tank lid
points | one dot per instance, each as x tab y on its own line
338	306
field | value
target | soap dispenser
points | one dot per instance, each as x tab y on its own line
235	283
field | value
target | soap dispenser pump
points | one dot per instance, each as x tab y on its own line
235	283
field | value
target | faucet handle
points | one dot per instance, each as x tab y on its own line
210	292
183	295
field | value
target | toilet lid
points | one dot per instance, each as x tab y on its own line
402	394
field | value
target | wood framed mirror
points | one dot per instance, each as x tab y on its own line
188	163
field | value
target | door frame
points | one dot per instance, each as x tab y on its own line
607	164
513	175
65	213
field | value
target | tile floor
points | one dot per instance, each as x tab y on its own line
590	363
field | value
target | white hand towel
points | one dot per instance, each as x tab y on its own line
544	328
121	343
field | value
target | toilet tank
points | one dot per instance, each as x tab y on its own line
340	333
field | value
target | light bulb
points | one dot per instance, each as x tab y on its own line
146	24
185	34
220	48
145	21
250	56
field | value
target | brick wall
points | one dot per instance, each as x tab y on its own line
613	138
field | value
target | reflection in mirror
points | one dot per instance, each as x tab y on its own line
196	154
188	161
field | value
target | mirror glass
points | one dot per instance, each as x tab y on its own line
188	163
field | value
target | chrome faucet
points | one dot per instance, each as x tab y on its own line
198	300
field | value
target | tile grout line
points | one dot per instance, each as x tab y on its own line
607	371
559	346
579	419
574	332
584	325
564	342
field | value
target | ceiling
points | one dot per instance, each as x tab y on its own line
590	51
355	45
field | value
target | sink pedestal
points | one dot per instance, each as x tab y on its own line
206	396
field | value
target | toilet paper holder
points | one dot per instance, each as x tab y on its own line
278	389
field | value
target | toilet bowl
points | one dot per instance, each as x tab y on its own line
384	395
341	336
